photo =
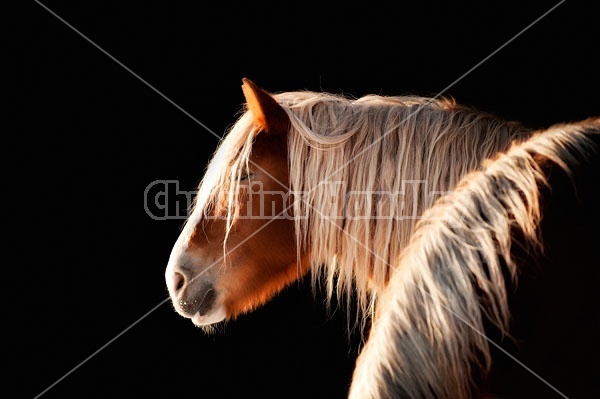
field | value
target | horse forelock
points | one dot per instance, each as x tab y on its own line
220	185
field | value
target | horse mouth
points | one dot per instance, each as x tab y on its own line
217	314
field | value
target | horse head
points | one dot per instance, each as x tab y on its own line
237	248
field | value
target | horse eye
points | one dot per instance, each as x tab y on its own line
246	176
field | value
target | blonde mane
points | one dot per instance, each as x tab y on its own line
390	157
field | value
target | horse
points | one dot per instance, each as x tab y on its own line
410	207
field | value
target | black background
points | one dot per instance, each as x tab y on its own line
94	137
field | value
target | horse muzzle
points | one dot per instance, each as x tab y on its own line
194	296
200	304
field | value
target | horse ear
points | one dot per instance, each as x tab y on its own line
268	114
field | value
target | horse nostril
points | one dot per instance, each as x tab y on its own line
179	281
